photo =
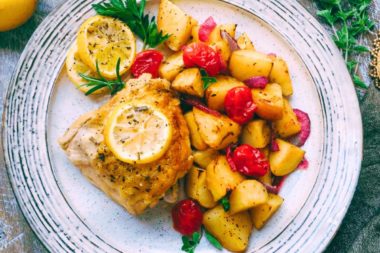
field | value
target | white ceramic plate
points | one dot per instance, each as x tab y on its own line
69	214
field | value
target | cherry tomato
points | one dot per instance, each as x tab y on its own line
147	62
203	56
206	29
250	161
239	105
187	217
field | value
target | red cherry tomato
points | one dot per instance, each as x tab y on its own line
203	56
187	217
239	105
206	29
250	161
147	62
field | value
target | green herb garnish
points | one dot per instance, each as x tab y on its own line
132	13
190	243
97	83
349	20
206	79
213	240
225	203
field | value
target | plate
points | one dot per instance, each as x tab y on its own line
69	214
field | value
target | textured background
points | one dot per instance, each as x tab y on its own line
360	231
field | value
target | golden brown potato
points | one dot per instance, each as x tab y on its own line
195	33
223	48
256	133
280	74
195	137
196	188
269	101
190	82
244	42
216	131
204	158
288	125
232	231
216	92
262	213
229	28
172	20
267	178
245	64
220	177
172	66
215	34
247	194
286	160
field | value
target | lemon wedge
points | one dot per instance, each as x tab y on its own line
137	134
105	40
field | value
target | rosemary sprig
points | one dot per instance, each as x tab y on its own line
349	20
132	13
96	84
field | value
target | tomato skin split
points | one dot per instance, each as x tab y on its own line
199	54
147	61
239	105
250	161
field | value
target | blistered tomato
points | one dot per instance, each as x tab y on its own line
239	105
147	62
249	161
187	217
201	55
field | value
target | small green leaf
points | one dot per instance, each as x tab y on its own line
225	203
206	79
361	49
190	243
213	240
358	82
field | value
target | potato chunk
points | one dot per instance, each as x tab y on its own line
216	131
216	92
172	20
288	125
244	42
256	134
204	158
269	101
172	66
190	82
262	213
195	137
232	231
280	74
220	177
196	188
245	64
286	160
247	194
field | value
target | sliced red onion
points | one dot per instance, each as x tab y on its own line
303	118
230	161
273	145
206	29
257	82
272	189
231	41
304	165
198	104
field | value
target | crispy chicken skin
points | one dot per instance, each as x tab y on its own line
135	187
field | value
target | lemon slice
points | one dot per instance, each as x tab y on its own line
105	40
137	134
74	66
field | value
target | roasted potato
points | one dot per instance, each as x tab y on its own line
223	48
216	131
288	125
232	231
216	92
172	66
244	42
195	137
269	101
172	20
196	188
247	194
256	133
190	82
280	74
267	178
220	177
262	213
245	64
215	34
286	160
204	158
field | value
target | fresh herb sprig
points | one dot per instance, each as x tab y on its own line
190	243
225	203
213	240
132	13
349	20
97	83
206	79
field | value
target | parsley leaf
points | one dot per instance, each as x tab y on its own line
225	203
213	240
190	243
206	79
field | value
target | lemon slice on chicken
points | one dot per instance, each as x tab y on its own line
137	134
104	40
